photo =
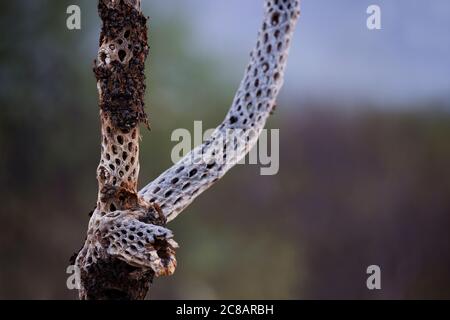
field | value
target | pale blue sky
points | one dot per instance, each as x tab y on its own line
334	56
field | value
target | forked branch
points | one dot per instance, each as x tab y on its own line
127	243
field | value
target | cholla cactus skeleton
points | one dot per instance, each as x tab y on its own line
127	242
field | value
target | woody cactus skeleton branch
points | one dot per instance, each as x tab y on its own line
127	243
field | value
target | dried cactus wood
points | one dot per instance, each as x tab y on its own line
177	187
127	242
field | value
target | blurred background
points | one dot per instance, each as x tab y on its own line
364	178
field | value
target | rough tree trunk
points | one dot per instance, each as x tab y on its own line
126	244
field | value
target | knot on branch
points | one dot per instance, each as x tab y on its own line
123	251
139	244
129	236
